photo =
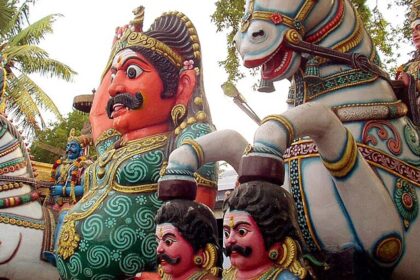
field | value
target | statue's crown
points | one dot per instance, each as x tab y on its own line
172	35
415	13
73	137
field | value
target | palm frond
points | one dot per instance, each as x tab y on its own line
20	15
47	67
6	15
17	53
39	96
34	33
20	105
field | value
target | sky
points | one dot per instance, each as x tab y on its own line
82	39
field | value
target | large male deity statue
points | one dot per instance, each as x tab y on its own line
156	102
260	234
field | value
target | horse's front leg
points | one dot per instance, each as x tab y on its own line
375	223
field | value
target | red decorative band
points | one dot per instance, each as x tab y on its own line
375	157
329	25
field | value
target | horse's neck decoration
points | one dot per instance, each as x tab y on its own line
25	226
362	168
155	101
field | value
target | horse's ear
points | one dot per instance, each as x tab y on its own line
186	85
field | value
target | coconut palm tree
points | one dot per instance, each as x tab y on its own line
20	56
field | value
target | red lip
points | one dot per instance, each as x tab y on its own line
277	65
273	65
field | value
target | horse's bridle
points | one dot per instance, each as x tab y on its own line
278	18
293	37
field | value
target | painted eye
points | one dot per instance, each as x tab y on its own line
226	233
242	232
168	242
112	77
133	71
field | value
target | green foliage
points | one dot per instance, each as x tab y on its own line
386	36
56	135
227	17
21	56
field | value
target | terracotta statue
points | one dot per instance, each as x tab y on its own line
156	102
409	73
350	153
260	235
188	249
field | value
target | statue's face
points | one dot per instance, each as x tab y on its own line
243	240
175	254
139	87
73	150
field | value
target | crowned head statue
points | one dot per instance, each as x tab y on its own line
74	146
155	82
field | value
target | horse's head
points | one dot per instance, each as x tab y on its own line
260	40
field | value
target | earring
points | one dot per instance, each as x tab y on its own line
178	113
273	254
198	260
210	259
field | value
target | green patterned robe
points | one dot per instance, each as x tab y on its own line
110	233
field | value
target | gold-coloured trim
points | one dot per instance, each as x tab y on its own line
21	223
135	189
345	164
286	124
197	149
201	181
146	144
106	135
142	40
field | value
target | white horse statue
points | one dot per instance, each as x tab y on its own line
26	228
351	155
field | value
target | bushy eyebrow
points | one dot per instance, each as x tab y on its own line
166	235
237	225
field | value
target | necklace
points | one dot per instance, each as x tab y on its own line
196	276
270	274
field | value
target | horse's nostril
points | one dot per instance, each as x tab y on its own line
260	33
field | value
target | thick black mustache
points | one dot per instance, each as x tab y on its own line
126	99
244	251
167	259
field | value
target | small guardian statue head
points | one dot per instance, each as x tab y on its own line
260	233
186	233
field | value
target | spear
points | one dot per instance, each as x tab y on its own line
230	90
